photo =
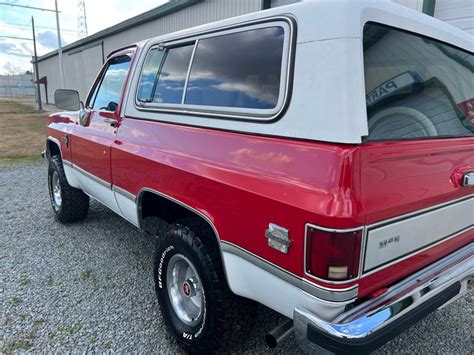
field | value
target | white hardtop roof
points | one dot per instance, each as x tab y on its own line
326	105
319	20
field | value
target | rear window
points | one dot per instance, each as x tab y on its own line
416	87
239	72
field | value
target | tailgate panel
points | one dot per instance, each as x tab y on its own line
391	241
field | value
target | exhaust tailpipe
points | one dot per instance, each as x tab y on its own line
279	334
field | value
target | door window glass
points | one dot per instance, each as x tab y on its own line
107	94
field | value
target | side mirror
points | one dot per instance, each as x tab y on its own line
68	100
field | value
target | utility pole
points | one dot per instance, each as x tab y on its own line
60	50
40	106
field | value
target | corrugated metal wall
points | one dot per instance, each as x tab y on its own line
412	4
459	13
81	67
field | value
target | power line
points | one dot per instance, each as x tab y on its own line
13	37
27	7
16	25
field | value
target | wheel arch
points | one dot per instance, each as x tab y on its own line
151	202
53	147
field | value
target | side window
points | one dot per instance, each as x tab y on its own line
163	82
150	71
238	70
172	77
107	93
416	87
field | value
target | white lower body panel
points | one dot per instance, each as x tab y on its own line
393	241
248	280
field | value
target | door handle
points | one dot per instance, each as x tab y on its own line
111	121
468	179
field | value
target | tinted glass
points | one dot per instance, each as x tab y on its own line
238	70
149	73
171	80
107	95
416	87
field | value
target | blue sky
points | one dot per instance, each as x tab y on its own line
15	54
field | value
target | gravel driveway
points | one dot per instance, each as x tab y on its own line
89	286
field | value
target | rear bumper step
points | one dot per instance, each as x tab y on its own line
374	322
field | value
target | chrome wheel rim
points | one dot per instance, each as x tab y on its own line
185	290
56	190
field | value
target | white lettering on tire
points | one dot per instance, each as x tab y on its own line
160	267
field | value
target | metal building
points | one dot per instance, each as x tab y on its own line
84	58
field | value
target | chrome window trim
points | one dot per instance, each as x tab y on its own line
332	230
188	73
262	115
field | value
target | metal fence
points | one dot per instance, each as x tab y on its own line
17	85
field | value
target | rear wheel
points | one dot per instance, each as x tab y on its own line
197	306
69	204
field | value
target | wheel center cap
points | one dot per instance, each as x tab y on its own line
187	289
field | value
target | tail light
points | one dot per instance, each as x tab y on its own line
333	256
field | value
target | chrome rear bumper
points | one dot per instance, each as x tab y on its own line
376	321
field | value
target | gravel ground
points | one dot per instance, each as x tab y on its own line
88	287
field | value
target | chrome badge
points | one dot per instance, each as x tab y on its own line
278	238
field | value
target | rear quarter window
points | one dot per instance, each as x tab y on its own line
416	87
237	70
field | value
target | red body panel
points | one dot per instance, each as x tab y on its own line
401	177
242	182
92	144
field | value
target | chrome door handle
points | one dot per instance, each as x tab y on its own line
111	122
468	179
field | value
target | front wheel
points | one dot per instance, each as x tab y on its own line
197	306
69	204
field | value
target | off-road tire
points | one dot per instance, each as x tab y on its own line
75	203
227	317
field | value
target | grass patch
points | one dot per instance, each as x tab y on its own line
20	160
71	330
38	322
16	301
106	346
24	280
17	344
23	131
49	280
86	275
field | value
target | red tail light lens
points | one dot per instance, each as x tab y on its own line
333	256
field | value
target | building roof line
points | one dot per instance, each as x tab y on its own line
153	14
